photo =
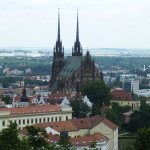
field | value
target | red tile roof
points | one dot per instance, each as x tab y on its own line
93	121
58	126
121	95
32	110
17	98
105	107
31	98
88	140
76	124
76	141
59	95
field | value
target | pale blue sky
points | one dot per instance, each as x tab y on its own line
102	23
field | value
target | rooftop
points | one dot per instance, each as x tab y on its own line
32	110
121	95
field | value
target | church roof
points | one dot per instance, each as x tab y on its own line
72	63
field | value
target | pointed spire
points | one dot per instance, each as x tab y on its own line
77	50
77	32
58	36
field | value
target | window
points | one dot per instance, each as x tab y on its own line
23	121
3	123
15	121
47	119
59	118
55	118
28	121
44	120
19	121
66	117
31	120
36	120
52	119
40	120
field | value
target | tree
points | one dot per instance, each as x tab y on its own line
36	137
9	139
135	123
112	116
80	109
98	93
5	84
143	139
141	118
7	99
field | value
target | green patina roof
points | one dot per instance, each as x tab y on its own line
72	63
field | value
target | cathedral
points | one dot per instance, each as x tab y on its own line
71	73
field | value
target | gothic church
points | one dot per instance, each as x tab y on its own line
70	74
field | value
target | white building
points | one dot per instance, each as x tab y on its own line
131	85
31	115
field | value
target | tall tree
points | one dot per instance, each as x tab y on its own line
80	109
98	93
9	139
143	139
7	99
36	137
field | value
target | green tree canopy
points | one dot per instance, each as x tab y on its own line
36	137
98	93
140	118
7	99
143	139
80	109
9	139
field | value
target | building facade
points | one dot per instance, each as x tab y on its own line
70	74
80	129
24	116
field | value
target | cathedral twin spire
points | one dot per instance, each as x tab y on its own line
59	50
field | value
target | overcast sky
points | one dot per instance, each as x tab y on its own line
102	23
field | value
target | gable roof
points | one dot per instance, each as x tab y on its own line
76	141
88	140
72	63
32	109
59	95
76	124
58	126
121	95
85	123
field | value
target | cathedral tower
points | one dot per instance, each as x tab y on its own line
58	56
77	49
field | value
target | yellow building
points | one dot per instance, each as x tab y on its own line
124	99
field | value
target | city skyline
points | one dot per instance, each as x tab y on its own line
102	24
